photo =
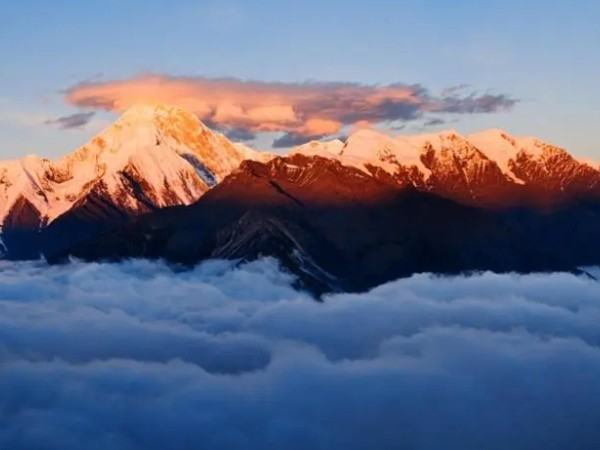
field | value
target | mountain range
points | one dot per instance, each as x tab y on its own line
340	214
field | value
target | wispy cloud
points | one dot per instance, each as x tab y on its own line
298	109
434	121
77	120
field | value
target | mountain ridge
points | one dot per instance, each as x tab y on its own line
338	228
156	158
174	159
515	171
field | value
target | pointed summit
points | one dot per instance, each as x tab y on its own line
165	117
153	156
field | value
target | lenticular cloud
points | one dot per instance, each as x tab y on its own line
137	355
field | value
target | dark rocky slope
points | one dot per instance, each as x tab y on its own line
338	228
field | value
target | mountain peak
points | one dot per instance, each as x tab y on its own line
492	133
451	132
138	109
153	156
149	110
159	115
368	133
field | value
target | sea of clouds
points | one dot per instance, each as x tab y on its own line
137	355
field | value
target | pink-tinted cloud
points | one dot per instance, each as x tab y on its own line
300	109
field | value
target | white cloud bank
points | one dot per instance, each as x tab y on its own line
136	356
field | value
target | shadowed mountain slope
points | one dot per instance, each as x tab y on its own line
339	228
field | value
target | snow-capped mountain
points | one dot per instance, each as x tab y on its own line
151	157
154	157
337	227
490	168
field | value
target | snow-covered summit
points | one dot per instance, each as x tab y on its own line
152	156
466	168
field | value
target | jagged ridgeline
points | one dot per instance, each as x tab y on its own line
347	215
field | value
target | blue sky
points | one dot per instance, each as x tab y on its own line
543	53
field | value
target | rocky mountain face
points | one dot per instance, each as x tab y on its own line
487	169
341	215
153	157
338	228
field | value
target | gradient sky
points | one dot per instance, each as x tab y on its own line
542	53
